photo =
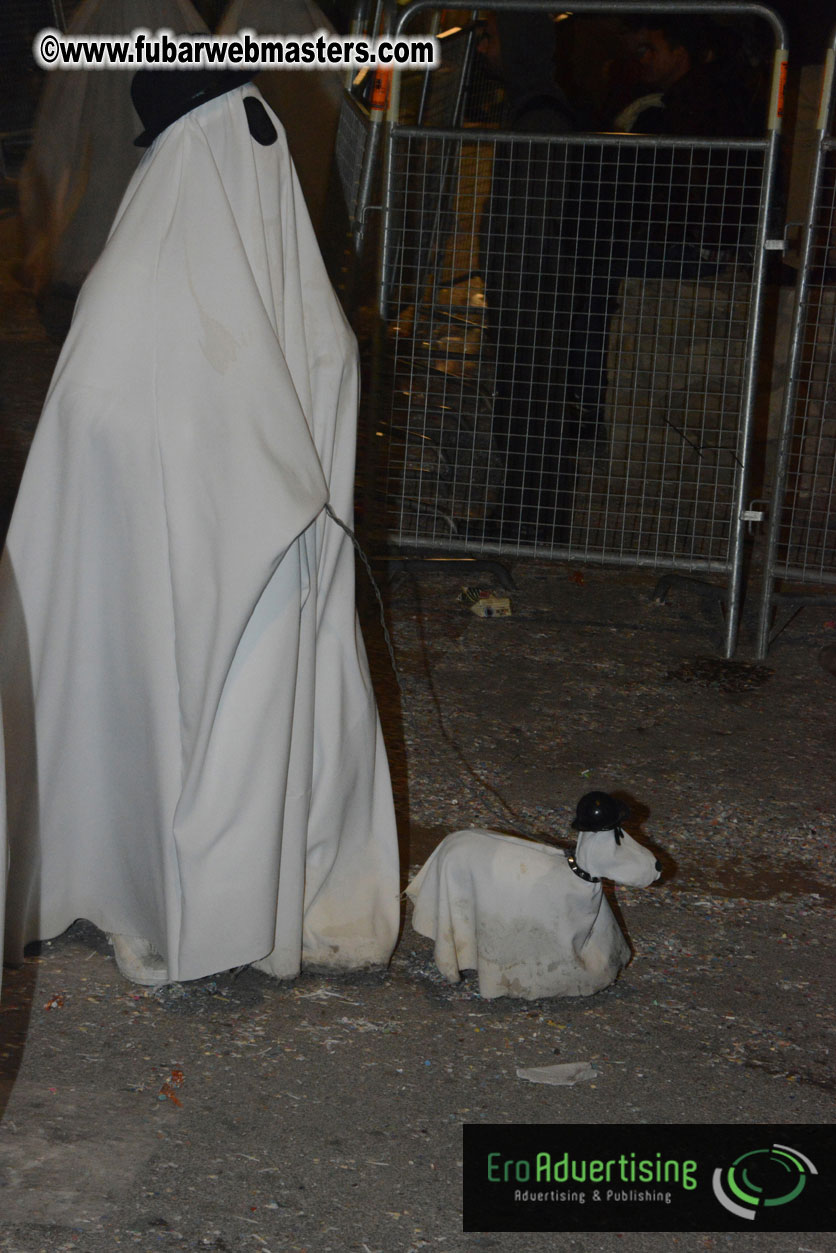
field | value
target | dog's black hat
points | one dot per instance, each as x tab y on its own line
162	96
598	811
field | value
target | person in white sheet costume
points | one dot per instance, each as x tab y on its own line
82	155
198	758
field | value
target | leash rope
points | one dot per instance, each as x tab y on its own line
478	787
358	549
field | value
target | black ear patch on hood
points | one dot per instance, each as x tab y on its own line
258	119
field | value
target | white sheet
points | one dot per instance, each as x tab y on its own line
197	756
513	911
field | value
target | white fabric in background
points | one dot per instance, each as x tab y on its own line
197	755
513	911
307	101
83	155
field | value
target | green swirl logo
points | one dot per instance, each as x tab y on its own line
761	1179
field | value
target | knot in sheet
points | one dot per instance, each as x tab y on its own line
204	767
514	911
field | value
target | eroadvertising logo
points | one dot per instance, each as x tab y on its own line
762	1177
649	1177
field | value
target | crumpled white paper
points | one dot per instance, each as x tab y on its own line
562	1074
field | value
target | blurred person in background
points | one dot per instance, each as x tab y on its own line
83	155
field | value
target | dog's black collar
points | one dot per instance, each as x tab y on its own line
582	874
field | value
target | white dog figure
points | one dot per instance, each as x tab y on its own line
530	919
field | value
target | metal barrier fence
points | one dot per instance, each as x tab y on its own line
801	542
573	327
354	159
356	156
437	99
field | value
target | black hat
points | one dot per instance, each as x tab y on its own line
598	811
162	96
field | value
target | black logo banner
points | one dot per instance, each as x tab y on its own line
649	1177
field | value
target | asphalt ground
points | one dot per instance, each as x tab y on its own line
239	1113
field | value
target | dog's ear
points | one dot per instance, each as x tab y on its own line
258	119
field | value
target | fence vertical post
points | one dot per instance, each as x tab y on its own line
736	574
794	371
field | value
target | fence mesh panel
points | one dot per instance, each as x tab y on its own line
352	132
568	323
